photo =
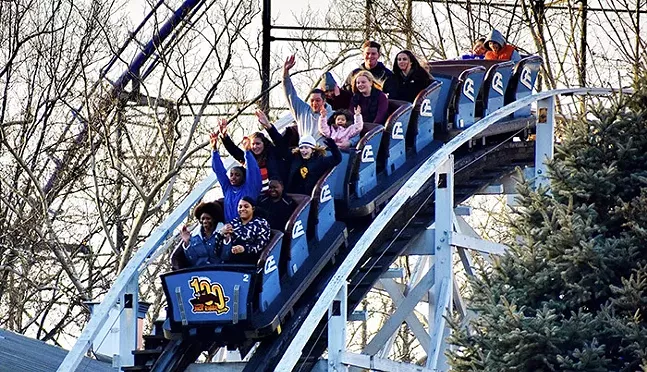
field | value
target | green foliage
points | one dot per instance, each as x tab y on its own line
571	293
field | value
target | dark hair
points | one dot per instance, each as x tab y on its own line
346	113
318	91
213	209
480	40
415	64
250	200
241	169
371	44
266	145
277	179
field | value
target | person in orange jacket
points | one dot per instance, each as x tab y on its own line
498	49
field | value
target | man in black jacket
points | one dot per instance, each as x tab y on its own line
371	53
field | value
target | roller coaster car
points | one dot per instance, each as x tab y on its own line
233	304
230	304
463	92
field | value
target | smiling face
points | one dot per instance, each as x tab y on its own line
275	189
479	48
207	222
404	62
245	210
316	102
306	151
235	177
363	85
257	146
340	121
371	55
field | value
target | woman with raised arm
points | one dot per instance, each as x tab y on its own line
367	95
263	150
408	79
239	183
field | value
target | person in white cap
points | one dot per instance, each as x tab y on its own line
308	163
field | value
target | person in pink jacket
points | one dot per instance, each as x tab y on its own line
338	126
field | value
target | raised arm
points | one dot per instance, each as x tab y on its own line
216	163
358	124
297	105
324	128
253	181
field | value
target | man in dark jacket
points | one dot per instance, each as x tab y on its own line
371	53
277	207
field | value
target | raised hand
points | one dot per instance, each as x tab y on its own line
247	143
185	234
323	111
213	140
262	119
222	126
358	110
289	63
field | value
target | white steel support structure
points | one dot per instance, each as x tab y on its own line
128	305
337	330
442	296
545	141
444	278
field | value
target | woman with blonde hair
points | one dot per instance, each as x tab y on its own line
367	94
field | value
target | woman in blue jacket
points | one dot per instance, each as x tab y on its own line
239	183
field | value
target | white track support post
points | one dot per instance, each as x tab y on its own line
544	143
442	291
128	305
337	330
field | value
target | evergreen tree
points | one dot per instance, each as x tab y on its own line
571	293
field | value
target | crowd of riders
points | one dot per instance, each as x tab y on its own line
256	192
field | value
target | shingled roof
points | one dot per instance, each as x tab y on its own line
24	354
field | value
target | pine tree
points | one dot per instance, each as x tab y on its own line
571	293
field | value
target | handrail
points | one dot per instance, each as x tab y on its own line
408	190
141	257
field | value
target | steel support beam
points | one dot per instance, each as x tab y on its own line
337	330
544	147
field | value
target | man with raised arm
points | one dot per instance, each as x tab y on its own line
371	54
305	114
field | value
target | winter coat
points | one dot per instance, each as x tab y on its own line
278	212
201	251
304	174
406	88
305	117
253	236
342	136
508	52
251	187
375	107
380	72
